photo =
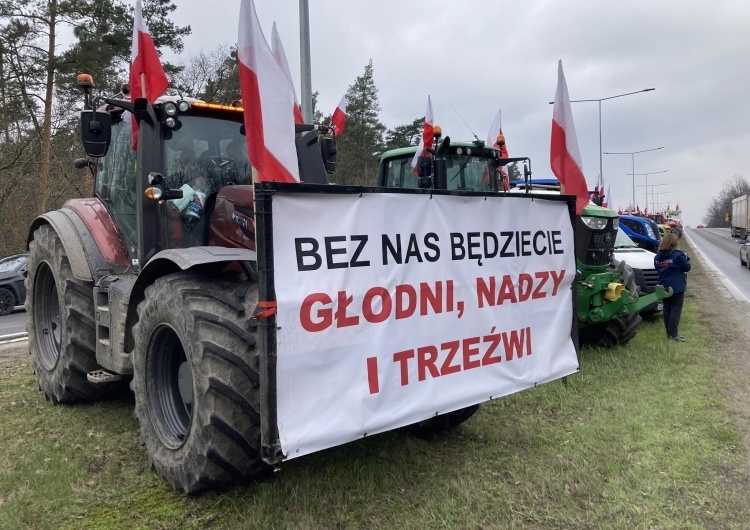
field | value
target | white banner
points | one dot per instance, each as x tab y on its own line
393	308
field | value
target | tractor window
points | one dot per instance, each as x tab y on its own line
202	156
116	179
400	174
206	154
469	172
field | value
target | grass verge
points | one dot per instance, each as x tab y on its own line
640	438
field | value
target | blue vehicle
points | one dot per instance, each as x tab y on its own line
643	231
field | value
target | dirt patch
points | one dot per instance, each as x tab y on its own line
14	353
726	319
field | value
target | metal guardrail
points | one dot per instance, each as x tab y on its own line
13	337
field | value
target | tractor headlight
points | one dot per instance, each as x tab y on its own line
184	106
595	223
616	222
170	122
170	109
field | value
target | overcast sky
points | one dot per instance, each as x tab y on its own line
481	56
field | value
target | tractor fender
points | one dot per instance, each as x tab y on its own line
63	222
207	259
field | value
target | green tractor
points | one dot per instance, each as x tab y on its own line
608	299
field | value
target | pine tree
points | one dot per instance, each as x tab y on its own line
404	135
362	142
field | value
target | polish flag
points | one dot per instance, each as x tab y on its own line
607	201
268	99
677	208
496	129
338	120
428	135
278	52
565	158
147	77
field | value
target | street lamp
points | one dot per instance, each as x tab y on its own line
632	156
647	174
601	165
304	55
652	186
658	203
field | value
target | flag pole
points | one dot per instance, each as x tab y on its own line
143	85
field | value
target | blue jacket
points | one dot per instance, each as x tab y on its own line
672	266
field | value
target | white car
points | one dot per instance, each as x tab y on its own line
745	254
642	263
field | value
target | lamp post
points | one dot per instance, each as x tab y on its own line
601	165
304	55
646	175
659	204
652	186
632	156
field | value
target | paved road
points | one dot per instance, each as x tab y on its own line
723	251
13	323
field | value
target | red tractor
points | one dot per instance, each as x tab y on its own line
153	280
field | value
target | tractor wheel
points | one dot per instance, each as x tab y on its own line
442	423
618	330
8	301
196	381
60	322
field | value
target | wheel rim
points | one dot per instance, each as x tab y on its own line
6	301
47	316
169	387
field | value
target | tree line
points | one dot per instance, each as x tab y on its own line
39	99
721	205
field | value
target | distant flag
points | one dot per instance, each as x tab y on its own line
338	120
494	136
565	158
147	77
607	200
278	52
496	130
619	212
677	207
637	208
268	98
428	134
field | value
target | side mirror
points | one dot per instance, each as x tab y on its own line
424	166
328	151
96	132
80	163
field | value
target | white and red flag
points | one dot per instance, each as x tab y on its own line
565	157
338	120
607	201
147	77
278	51
428	134
496	130
268	99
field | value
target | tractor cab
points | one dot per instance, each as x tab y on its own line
189	181
468	166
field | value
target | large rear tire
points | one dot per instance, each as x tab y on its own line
196	381
617	331
60	322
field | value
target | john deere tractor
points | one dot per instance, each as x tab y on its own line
608	298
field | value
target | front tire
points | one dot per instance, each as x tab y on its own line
196	381
442	423
60	322
617	331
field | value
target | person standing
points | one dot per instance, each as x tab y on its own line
672	265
